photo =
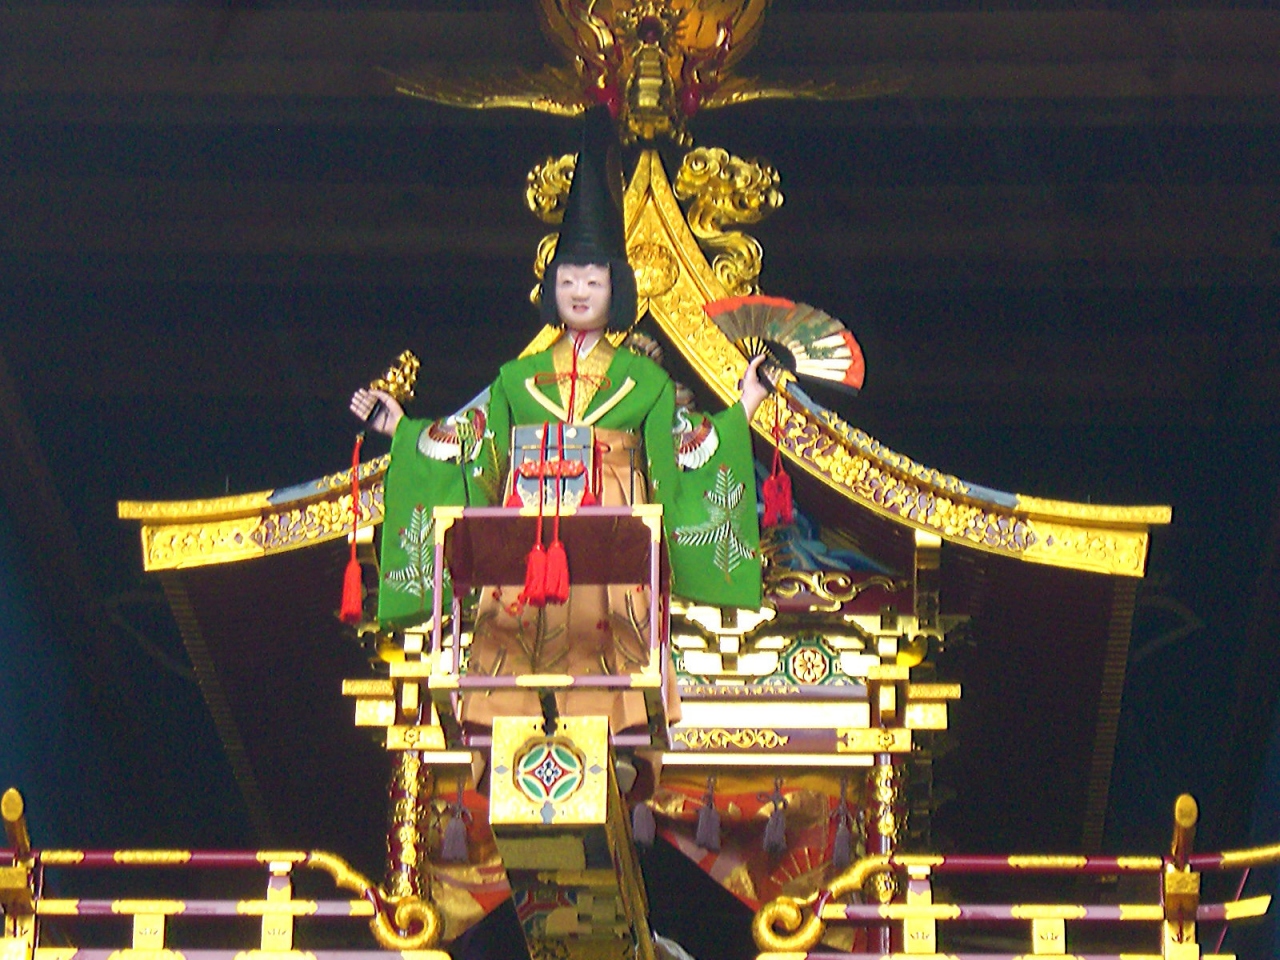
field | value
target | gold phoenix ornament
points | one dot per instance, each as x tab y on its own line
654	63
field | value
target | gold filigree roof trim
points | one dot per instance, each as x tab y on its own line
1100	513
177	534
678	281
1093	537
212	508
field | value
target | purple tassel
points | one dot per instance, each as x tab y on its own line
842	844
842	848
707	835
453	849
775	831
644	830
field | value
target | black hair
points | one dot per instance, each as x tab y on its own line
622	292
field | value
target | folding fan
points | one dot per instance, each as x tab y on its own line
808	342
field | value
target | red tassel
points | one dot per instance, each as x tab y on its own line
535	565
352	610
535	577
557	582
776	490
778	507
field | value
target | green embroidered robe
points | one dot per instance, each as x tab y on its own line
709	513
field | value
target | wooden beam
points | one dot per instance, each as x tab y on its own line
1063	54
1252	723
1071	234
1018	36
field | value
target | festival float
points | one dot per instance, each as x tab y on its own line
785	747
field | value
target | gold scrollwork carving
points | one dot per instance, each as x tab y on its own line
547	187
546	250
1111	551
884	785
868	480
342	479
832	589
408	914
800	933
724	189
882	887
344	876
721	739
656	269
421	916
739	692
173	545
319	521
863	441
845	459
404	837
718	359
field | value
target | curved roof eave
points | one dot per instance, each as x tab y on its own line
848	462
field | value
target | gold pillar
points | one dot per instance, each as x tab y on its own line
406	840
562	829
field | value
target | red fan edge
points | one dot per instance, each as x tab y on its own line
717	307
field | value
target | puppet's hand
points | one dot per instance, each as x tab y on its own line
377	408
754	389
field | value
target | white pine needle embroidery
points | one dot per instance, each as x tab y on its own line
418	541
723	524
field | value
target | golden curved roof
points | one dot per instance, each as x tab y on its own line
675	281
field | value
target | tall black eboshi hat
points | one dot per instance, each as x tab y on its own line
592	230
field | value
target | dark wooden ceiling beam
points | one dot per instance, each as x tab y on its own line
1141	225
816	278
209	30
135	74
1119	362
375	35
1018	36
178	50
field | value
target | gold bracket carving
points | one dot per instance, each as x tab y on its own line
547	187
721	739
832	589
546	190
873	740
722	190
408	914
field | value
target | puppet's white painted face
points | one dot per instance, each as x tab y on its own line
582	296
